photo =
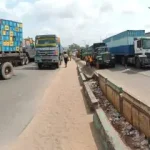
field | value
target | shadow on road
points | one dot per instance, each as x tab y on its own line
88	111
35	68
96	137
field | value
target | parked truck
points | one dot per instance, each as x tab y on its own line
10	47
101	56
48	51
29	49
132	44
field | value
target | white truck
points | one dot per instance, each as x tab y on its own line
132	44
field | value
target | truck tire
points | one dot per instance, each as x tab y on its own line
7	70
23	61
57	65
97	65
137	63
26	61
113	66
40	66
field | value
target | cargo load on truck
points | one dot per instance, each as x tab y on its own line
48	50
133	44
10	46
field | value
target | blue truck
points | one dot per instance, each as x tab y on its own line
48	51
132	44
11	53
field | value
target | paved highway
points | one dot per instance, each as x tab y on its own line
19	99
137	82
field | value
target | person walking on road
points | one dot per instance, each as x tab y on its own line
70	54
86	60
65	59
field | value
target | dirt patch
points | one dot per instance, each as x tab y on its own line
132	137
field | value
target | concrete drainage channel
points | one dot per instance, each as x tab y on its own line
123	122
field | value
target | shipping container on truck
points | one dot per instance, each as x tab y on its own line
48	49
11	36
132	44
29	48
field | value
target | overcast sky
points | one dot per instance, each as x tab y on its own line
78	21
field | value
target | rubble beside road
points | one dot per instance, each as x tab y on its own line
131	136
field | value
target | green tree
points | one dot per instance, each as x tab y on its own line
74	47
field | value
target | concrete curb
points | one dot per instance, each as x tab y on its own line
82	78
110	139
91	99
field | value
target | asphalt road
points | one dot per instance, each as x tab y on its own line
19	99
136	82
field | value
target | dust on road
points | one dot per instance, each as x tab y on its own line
63	122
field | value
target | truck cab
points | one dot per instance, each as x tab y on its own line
28	48
141	52
47	50
104	57
101	55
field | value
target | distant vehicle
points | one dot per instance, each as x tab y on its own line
29	48
48	50
133	44
102	57
10	47
100	54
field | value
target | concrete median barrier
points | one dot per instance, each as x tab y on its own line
109	138
113	94
102	83
137	113
90	97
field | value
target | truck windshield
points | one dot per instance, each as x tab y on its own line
100	50
45	41
146	44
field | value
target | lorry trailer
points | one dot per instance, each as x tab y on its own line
132	44
10	47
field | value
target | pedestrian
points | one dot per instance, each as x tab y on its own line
91	61
65	59
70	54
86	60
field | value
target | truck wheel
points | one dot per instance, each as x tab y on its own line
113	65
27	61
7	70
123	61
97	65
23	62
137	64
40	66
57	65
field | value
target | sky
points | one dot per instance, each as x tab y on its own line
77	21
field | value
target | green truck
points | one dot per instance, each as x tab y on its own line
101	56
48	51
